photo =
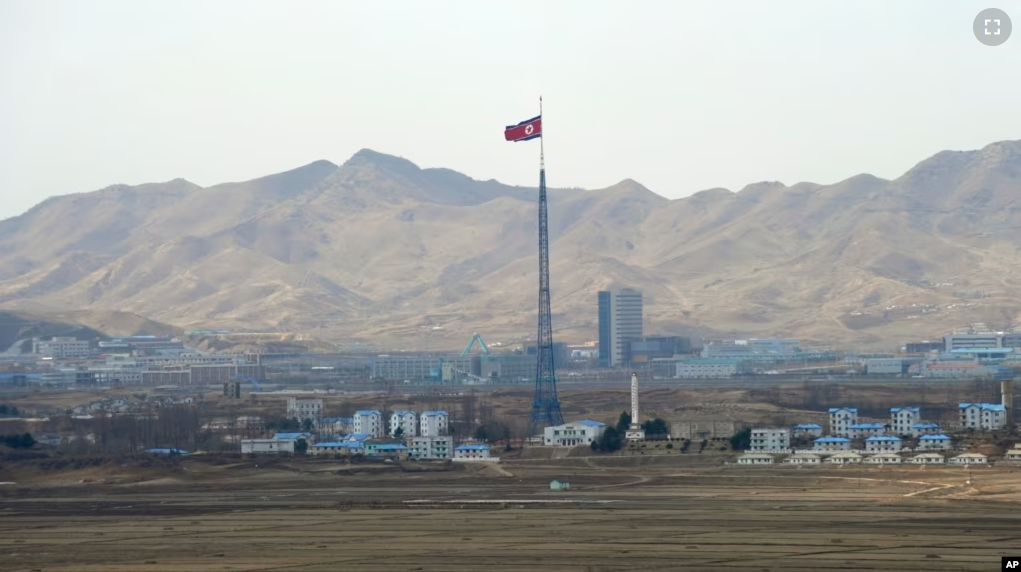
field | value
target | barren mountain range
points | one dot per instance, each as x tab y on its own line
381	250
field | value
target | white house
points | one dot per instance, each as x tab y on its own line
1014	454
881	443
803	459
844	458
369	422
884	459
903	420
832	444
808	430
927	459
406	421
431	447
969	459
770	439
434	424
863	430
936	442
270	446
303	408
755	459
924	429
987	416
841	420
583	432
472	452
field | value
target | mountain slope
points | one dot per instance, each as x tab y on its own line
378	248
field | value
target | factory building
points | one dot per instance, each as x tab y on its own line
703	368
220	373
620	323
651	348
62	348
509	368
421	368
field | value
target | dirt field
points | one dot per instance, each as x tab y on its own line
635	514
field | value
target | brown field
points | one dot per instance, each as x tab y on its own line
622	513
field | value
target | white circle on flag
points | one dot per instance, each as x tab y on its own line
529	129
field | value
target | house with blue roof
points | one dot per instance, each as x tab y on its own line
293	436
924	429
336	425
832	444
356	438
337	448
983	416
883	443
369	421
937	442
471	452
434	423
583	432
406	421
903	419
807	430
862	430
841	419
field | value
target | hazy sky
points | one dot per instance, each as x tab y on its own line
678	95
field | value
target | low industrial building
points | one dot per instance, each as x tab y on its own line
583	432
699	430
710	368
267	446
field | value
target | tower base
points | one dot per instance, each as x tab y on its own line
634	433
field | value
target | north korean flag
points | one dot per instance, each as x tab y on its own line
527	129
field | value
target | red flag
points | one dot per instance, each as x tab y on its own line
527	129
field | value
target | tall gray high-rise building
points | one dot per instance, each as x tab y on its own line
620	323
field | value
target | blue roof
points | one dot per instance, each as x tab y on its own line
808	426
404	412
896	409
868	426
437	412
925	426
390	447
835	409
934	438
876	438
347	420
832	440
329	445
985	406
168	451
356	437
472	448
368	412
291	436
590	423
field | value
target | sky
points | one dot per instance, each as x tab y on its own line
680	96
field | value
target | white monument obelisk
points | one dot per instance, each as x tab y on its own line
634	432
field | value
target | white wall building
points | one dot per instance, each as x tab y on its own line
983	416
808	430
755	459
934	442
406	421
369	422
583	432
625	313
841	419
62	348
832	444
472	452
769	439
434	424
431	447
302	408
904	419
862	430
883	443
268	446
708	368
969	459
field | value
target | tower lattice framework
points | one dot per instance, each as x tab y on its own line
546	407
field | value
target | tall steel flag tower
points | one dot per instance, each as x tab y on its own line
546	407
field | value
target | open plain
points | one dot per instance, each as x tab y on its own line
621	513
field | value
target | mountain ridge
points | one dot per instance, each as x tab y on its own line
381	249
